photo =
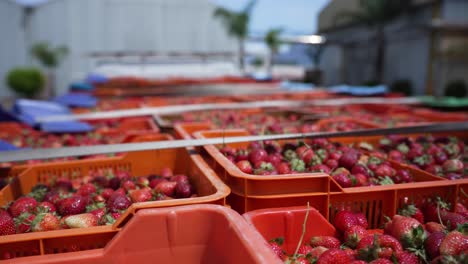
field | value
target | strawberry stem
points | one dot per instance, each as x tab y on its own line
304	226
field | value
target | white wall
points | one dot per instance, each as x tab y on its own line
12	51
125	25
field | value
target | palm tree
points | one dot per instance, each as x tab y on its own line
376	14
237	25
50	58
273	42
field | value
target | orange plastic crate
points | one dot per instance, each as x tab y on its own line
286	222
207	184
250	192
187	234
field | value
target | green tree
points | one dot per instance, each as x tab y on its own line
376	14
49	57
237	25
27	82
272	40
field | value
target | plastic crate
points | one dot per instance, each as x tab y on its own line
188	234
286	222
323	124
186	130
251	192
208	186
436	116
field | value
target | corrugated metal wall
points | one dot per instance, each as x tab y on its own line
124	25
12	51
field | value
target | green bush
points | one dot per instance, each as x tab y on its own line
27	82
456	88
402	86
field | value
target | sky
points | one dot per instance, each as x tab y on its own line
295	16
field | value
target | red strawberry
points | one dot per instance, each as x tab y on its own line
245	166
64	184
305	153
316	252
343	180
7	224
361	220
325	241
431	210
22	205
405	257
118	202
344	220
461	209
410	210
334	256
332	164
142	182
23	222
45	222
167	172
305	249
277	249
99	213
320	168
360	169
141	195
383	246
432	227
297	260
283	168
183	190
154	182
358	262
452	220
353	235
361	179
71	205
180	178
454	244
45	207
275	158
384	170
381	261
349	159
258	155
128	185
81	220
86	189
408	231
52	197
432	244
166	188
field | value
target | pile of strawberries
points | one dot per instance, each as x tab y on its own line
416	238
99	199
442	156
349	167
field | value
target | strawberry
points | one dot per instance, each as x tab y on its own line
71	205
361	179
86	189
141	195
154	182
382	246
23	222
100	181
258	155
353	235
408	231
245	166
63	184
432	209
22	205
461	209
432	227
358	262
453	165
128	185
52	197
410	210
7	224
297	260
334	256
305	249
180	178
45	222
344	220
305	153
361	220
142	182
381	261
452	220
463	258
275	245
166	172
99	213
81	220
325	241
432	244
166	188
343	180
406	257
183	190
45	207
454	244
316	252
349	159
283	168
118	202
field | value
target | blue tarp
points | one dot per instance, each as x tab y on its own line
77	100
5	146
359	90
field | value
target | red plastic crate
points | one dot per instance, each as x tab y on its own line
207	185
187	234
